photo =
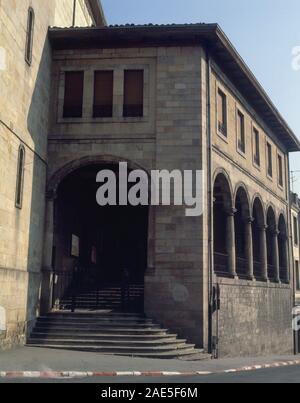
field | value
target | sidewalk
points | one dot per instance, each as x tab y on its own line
36	362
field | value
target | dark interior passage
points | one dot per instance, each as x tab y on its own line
97	242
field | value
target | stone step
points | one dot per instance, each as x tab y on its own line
98	324
117	348
95	314
178	353
132	344
160	338
96	319
96	329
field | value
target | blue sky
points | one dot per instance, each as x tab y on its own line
263	31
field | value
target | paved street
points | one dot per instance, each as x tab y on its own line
277	375
38	359
42	359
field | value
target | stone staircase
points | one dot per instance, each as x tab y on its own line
99	325
108	333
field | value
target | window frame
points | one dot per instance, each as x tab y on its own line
280	170
295	231
29	35
20	177
222	132
112	71
82	72
127	115
256	142
269	162
241	134
297	275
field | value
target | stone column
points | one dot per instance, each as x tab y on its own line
263	251
230	241
47	270
275	250
249	247
48	234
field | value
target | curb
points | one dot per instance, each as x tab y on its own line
87	374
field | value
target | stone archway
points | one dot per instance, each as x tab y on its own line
272	245
259	240
243	235
223	219
283	250
52	249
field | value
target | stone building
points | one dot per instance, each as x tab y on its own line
157	97
295	221
25	76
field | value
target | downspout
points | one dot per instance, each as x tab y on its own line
74	13
209	203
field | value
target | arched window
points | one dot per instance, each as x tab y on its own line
240	221
222	203
29	36
20	177
258	238
283	250
271	234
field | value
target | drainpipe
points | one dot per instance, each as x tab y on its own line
74	13
209	203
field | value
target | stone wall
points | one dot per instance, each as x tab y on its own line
24	114
64	14
254	319
167	137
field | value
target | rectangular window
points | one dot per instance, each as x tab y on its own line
241	132
29	36
269	160
256	147
73	94
20	177
297	275
280	171
295	229
133	93
103	94
222	113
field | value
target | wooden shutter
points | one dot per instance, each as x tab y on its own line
133	93
103	93
73	94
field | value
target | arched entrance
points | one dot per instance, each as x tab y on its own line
283	250
259	240
223	228
241	221
272	246
97	249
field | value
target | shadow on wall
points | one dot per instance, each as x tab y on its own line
36	170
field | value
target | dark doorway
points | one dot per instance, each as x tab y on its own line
93	244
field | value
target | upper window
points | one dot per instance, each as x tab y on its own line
103	94
20	177
295	229
73	94
256	147
297	275
222	113
29	36
269	160
241	132
133	93
280	170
